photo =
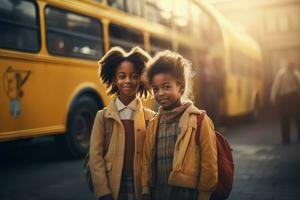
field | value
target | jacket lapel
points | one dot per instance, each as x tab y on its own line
112	112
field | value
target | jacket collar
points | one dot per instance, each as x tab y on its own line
132	105
184	122
184	119
112	110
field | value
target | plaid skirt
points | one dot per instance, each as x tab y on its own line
127	188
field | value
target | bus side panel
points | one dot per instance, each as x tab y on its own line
25	90
232	97
36	95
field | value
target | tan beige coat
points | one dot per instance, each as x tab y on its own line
193	166
106	170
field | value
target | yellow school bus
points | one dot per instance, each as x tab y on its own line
49	51
240	63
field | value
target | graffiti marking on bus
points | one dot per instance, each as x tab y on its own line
13	80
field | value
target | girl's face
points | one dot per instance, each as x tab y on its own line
166	90
127	80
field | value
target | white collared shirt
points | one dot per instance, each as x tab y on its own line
126	112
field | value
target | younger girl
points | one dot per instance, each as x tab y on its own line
174	165
116	171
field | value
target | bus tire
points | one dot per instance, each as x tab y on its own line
79	126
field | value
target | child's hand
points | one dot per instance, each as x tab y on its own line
146	197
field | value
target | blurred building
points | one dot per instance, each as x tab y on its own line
275	24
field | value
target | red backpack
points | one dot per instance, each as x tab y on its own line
225	163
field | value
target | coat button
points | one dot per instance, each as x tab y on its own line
139	130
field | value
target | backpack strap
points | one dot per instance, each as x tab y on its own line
108	129
200	118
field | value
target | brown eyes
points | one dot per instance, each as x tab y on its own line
155	90
132	77
135	77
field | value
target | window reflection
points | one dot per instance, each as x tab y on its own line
134	7
158	44
119	4
73	35
125	37
181	13
159	11
19	25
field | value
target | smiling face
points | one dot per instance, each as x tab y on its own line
127	80
166	90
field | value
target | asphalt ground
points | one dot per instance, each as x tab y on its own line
264	168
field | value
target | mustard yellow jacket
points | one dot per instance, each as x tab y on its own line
193	166
106	170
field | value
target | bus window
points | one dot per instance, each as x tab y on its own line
235	61
73	35
152	12
158	44
134	7
181	14
159	11
247	66
19	25
165	14
240	63
257	69
119	4
124	37
196	20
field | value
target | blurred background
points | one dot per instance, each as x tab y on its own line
50	89
274	24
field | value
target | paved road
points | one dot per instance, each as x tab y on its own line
265	170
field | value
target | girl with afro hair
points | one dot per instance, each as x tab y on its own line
115	163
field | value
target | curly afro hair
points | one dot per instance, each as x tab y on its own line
113	58
177	66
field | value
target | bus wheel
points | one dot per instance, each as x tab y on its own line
80	123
